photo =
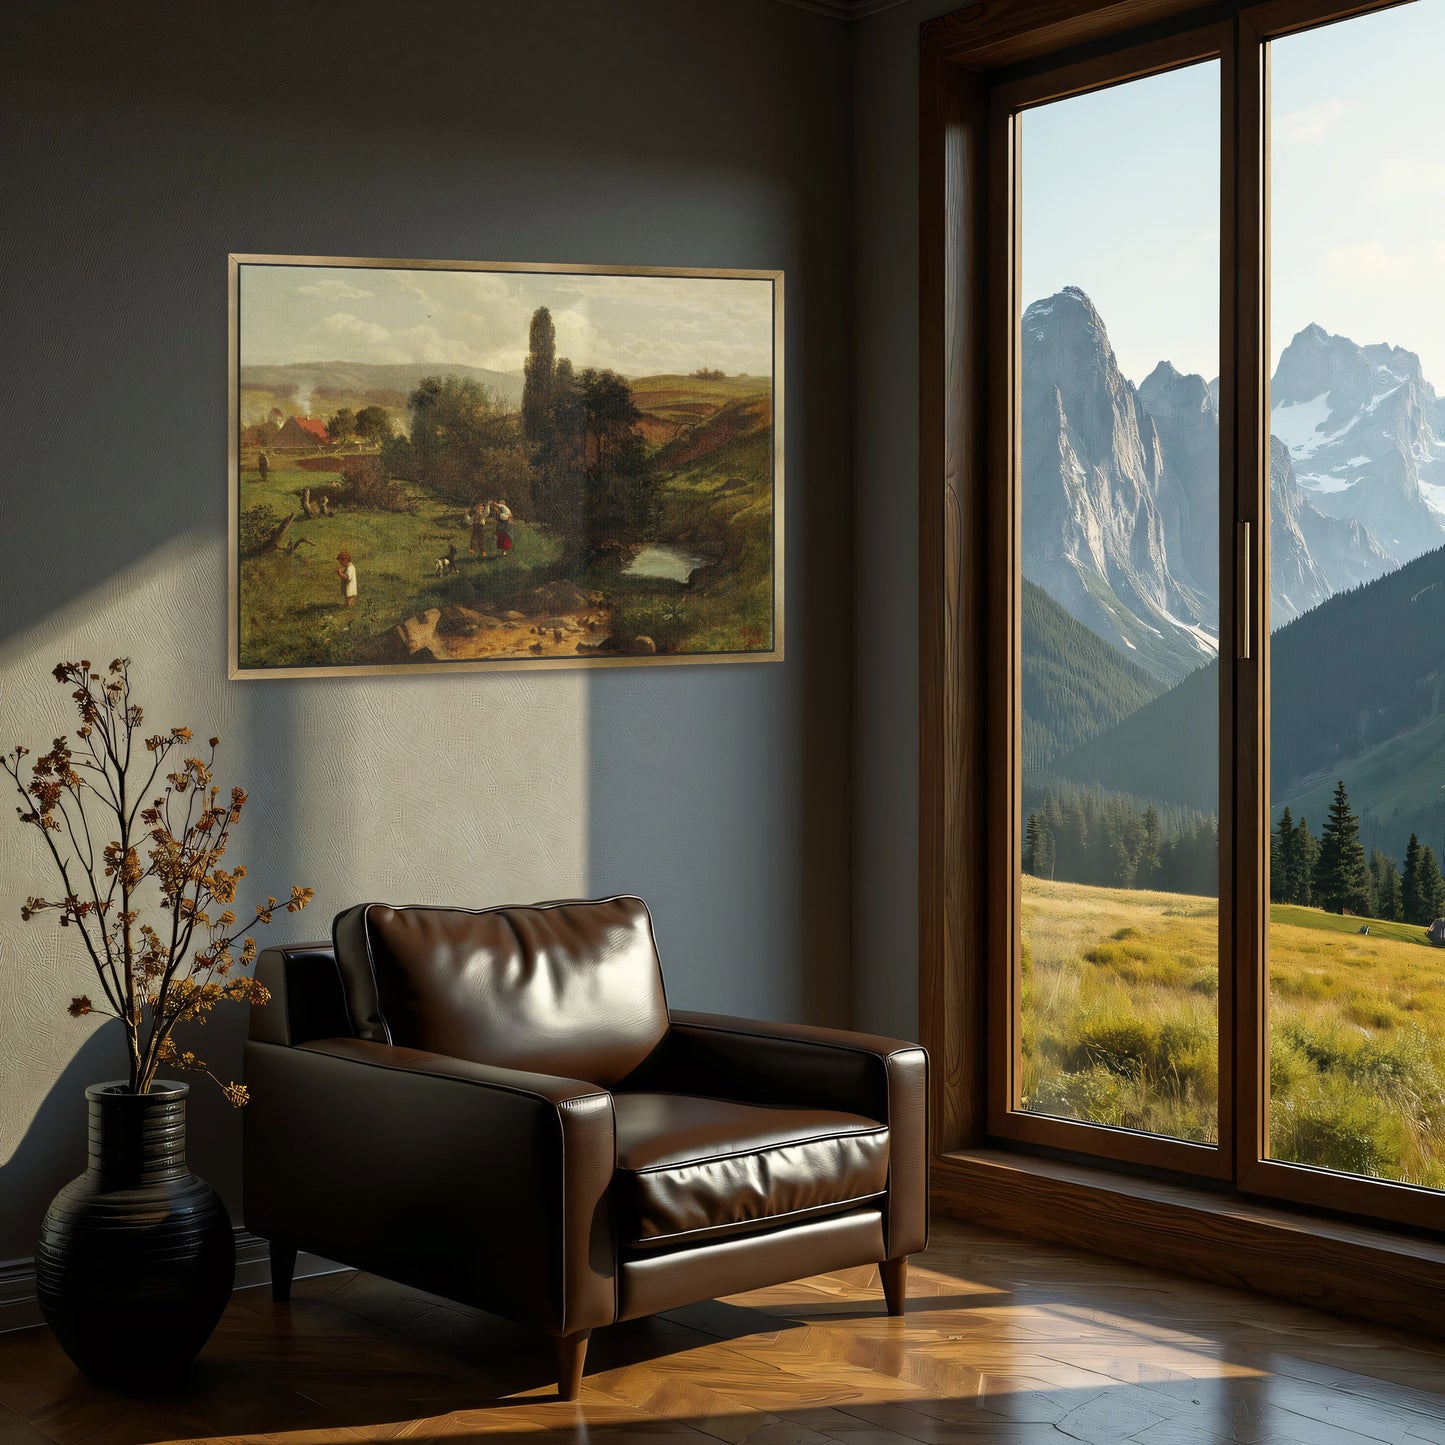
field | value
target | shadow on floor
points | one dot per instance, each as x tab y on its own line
1003	1340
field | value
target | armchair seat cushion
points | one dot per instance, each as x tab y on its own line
691	1169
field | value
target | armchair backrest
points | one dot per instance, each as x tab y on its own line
556	988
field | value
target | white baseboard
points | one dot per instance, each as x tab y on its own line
20	1310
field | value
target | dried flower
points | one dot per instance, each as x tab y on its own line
153	978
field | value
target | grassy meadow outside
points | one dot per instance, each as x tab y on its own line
1120	1026
639	507
1122	475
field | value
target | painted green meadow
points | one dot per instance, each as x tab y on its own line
1120	1026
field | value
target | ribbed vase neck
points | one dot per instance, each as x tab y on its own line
137	1139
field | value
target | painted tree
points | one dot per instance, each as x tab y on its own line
539	385
594	489
373	424
464	444
1341	879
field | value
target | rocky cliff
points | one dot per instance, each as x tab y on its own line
1363	430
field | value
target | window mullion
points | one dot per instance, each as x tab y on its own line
1246	121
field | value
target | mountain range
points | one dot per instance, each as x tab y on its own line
325	385
1357	691
1364	430
1121	483
1074	684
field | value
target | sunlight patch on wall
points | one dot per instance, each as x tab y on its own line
470	790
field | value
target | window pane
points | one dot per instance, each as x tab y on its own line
1119	346
1357	479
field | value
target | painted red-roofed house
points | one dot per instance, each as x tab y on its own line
301	433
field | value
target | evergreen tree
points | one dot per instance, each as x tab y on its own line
1038	848
1387	887
1121	859
1282	845
1072	833
1146	871
1384	881
539	384
1431	887
1411	905
1306	854
1341	881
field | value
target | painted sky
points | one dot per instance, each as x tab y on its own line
1121	196
636	325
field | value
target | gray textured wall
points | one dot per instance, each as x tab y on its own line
885	492
145	141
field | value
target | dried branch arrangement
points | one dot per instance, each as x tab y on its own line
140	865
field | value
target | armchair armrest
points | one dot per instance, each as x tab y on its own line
756	1062
485	1184
307	1000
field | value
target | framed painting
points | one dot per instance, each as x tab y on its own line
451	465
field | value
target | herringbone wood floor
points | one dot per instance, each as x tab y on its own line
1004	1340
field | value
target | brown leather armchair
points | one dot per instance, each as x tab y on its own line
498	1107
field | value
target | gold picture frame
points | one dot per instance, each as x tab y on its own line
614	500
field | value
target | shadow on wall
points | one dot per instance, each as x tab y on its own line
52	1149
155	140
409	789
719	794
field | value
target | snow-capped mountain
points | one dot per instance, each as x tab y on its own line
1095	535
1366	435
1186	418
1121	499
1312	556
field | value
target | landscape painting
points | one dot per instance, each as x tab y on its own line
462	466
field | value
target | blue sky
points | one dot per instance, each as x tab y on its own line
1121	188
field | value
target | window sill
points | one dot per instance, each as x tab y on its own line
1331	1264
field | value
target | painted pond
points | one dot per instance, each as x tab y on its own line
664	559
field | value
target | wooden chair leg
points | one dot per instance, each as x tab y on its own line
283	1267
571	1355
895	1283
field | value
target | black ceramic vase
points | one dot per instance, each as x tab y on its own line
137	1256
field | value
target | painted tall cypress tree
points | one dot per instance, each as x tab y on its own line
1341	876
539	380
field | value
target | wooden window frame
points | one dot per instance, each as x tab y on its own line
1008	101
976	65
